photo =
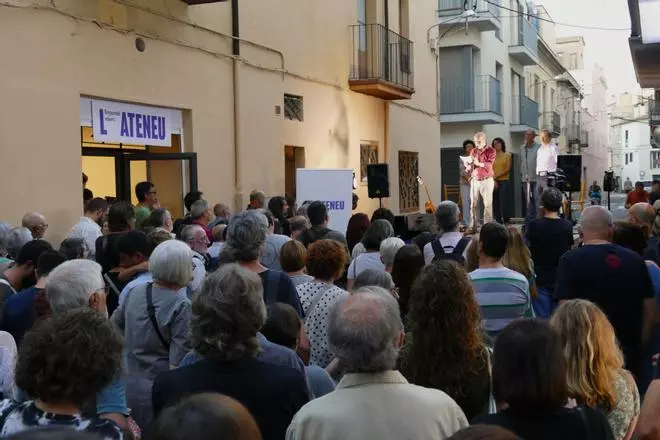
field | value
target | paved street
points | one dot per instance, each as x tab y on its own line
619	212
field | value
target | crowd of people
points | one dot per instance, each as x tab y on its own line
267	324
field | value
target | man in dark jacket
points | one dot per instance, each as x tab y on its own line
317	212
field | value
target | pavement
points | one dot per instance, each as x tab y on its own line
617	202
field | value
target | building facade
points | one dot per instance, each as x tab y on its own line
501	73
631	153
589	134
245	98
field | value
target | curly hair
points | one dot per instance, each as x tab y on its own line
592	353
69	357
227	314
445	321
326	259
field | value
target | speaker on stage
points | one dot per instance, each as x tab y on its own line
571	165
378	180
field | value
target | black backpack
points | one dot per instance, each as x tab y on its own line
455	255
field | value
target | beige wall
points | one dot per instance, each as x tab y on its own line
51	57
58	60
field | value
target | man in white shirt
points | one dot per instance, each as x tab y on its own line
195	237
446	216
546	162
88	227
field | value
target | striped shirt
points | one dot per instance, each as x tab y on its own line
503	296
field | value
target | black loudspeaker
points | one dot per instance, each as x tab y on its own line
378	180
571	165
608	181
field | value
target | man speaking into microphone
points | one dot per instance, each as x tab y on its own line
483	157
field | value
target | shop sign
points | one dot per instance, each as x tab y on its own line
116	122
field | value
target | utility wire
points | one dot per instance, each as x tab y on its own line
597	28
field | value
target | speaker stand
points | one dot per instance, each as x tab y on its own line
609	205
380	202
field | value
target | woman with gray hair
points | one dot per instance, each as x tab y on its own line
378	231
16	239
4	230
374	278
246	237
155	316
388	249
227	314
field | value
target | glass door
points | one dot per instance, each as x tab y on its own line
173	175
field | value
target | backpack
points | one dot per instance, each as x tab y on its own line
455	255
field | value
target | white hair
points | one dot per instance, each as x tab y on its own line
4	231
171	262
189	232
16	239
363	330
373	278
70	284
198	208
388	249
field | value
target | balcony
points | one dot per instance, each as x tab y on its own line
486	17
524	114
654	112
475	100
584	138
573	133
524	46
552	122
381	63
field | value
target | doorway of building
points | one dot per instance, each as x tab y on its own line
113	170
294	158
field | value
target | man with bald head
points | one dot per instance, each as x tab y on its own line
614	278
365	333
643	215
36	223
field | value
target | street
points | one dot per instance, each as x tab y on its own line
617	202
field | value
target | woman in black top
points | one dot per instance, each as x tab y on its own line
445	348
529	385
278	207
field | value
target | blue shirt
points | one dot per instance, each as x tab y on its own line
18	313
142	278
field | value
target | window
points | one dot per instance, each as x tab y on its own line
362	21
368	156
408	185
626	158
537	88
293	107
626	137
655	159
552	100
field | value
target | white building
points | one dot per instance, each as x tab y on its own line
499	73
630	153
588	134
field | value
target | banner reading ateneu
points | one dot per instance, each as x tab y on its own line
116	122
334	187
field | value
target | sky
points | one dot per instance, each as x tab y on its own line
608	48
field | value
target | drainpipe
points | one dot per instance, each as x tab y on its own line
236	52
